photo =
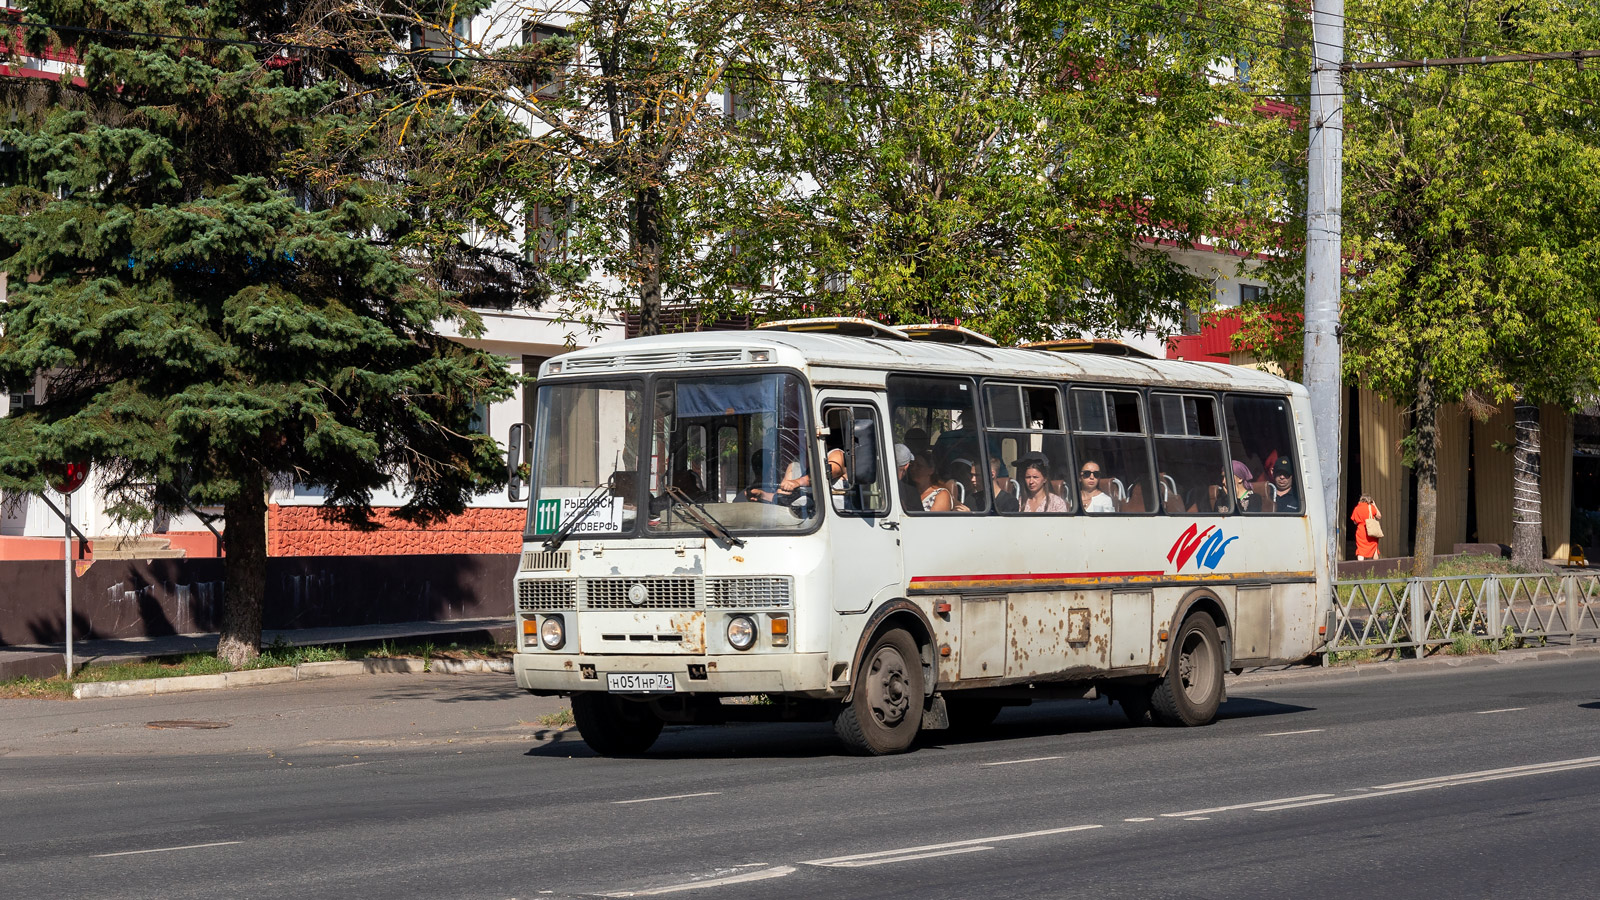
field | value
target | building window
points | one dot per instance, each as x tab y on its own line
1252	293
546	80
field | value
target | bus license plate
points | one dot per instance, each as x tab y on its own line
640	683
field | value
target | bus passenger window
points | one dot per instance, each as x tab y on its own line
1190	455
1027	443
1262	444
937	420
1111	451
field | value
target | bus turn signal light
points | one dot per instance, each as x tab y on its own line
942	607
530	626
780	631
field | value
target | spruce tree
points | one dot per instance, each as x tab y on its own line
209	319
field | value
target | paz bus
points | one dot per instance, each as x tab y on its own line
905	529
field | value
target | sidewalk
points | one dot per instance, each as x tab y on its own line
44	660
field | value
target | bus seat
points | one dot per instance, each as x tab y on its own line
1135	502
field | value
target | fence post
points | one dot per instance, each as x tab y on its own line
1419	633
1569	589
1491	602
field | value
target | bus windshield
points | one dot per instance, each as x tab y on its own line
731	447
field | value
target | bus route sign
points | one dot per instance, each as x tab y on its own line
605	517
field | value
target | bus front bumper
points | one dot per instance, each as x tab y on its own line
769	673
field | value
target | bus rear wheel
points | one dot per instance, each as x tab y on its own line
615	727
885	712
1192	689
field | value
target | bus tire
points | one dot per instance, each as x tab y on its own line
969	715
1192	689
885	711
614	727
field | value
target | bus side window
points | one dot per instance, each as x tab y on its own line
1190	457
1108	440
844	424
1026	437
937	420
1261	439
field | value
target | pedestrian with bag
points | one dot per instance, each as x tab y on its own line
1368	529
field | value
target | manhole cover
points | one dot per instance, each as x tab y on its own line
186	723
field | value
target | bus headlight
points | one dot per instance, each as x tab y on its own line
742	632
553	632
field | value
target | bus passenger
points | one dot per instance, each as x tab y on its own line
902	464
932	495
961	479
1000	477
1090	481
1036	496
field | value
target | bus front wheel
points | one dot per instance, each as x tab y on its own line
1192	689
885	711
614	727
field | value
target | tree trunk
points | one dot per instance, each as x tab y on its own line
1527	516
647	237
1425	430
245	569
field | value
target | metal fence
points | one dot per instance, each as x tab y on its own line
1422	613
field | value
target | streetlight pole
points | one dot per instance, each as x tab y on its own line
67	576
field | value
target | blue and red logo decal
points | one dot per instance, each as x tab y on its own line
1206	547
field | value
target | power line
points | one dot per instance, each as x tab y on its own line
1556	56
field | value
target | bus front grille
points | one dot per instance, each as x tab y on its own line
545	560
656	593
771	592
547	594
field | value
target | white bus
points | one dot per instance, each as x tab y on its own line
905	529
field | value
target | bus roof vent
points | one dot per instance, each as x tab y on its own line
1103	348
840	325
946	334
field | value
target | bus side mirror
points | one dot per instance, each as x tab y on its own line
516	443
863	452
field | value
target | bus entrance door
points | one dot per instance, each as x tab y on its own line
863	531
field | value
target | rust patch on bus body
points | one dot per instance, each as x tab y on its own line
692	625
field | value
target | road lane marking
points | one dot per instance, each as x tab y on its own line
167	849
742	878
1142	819
1287	733
1486	712
668	797
1012	762
1531	767
863	863
1453	781
1216	809
903	851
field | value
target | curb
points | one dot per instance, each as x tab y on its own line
303	672
1413	666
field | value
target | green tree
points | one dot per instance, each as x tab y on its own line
985	163
209	321
1471	229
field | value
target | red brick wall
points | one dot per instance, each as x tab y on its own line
302	531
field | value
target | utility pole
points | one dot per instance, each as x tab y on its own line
1324	196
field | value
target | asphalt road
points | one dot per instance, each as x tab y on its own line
1460	784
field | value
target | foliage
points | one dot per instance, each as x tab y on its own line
210	318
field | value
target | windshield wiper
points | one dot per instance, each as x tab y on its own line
578	514
691	510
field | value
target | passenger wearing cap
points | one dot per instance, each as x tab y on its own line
902	462
1286	495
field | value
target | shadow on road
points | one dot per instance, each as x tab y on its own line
812	740
1594	705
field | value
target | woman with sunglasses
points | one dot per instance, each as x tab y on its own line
1036	496
1090	478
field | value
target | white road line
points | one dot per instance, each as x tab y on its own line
902	851
745	877
1012	762
1287	733
167	849
863	863
1144	819
668	797
1198	819
1216	809
1532	767
1486	712
1461	780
